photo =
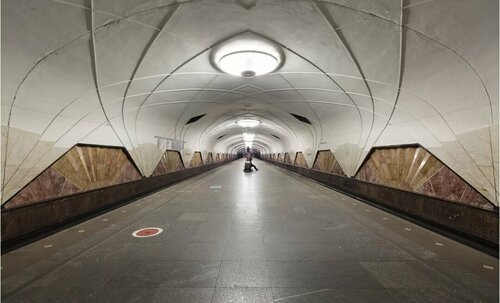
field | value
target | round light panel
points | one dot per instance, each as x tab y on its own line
247	55
248	137
248	63
248	123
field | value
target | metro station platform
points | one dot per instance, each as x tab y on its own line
265	236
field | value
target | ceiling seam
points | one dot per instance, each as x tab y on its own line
281	120
159	84
343	90
232	117
94	69
462	58
186	107
128	17
144	53
248	95
14	99
329	19
316	140
40	60
402	51
234	90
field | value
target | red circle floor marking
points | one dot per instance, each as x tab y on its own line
147	232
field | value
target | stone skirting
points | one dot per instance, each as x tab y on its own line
472	223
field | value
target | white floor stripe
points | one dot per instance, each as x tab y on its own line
303	294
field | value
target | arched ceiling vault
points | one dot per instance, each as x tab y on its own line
364	73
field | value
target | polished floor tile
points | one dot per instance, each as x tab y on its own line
243	274
243	295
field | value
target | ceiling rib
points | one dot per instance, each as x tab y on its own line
316	138
144	53
158	85
43	58
402	50
187	105
328	18
336	83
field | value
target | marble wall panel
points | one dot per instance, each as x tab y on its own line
48	184
90	167
149	156
25	158
326	162
210	158
196	160
217	157
170	161
300	160
414	169
287	159
80	169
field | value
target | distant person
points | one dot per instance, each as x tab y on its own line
249	157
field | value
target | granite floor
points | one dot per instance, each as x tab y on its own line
266	236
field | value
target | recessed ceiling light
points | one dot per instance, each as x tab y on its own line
248	137
248	63
248	122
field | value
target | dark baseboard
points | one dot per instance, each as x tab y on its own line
25	224
472	226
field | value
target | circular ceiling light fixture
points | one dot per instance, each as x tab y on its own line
248	122
248	137
248	63
247	55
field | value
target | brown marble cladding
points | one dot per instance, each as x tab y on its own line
414	169
90	167
47	185
80	169
210	158
300	160
170	161
196	160
326	162
279	158
287	159
217	157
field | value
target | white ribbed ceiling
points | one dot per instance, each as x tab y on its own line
365	73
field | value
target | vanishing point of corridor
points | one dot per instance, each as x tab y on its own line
266	236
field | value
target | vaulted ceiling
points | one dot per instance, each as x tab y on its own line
364	73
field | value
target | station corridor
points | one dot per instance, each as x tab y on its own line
265	236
